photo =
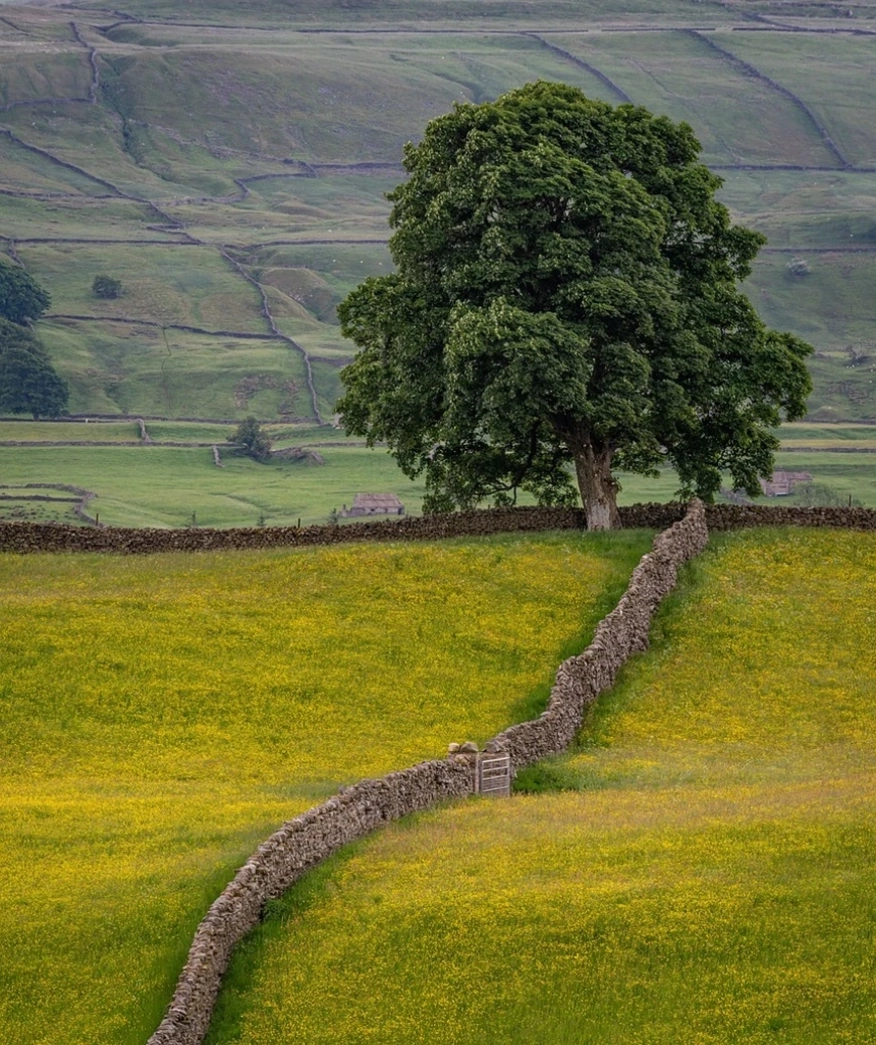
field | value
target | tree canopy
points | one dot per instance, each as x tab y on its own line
565	293
28	381
251	439
21	297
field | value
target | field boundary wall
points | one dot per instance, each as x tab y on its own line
306	840
24	537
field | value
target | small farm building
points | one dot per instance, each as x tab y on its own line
374	504
782	483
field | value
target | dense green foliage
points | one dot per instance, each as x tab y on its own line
21	297
106	287
28	381
251	438
566	290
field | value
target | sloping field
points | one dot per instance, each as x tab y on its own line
706	877
162	715
738	119
219	131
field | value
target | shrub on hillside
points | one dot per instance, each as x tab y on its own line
250	438
106	287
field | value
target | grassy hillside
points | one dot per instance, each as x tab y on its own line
163	715
225	159
705	874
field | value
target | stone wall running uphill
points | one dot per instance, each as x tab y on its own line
304	841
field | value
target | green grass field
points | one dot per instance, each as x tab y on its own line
700	870
162	715
162	486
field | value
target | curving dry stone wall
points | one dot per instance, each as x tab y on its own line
300	844
624	631
306	840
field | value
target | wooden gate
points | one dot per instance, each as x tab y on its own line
494	774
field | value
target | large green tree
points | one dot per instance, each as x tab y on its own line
28	381
21	297
565	293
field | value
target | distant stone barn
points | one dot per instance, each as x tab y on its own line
374	504
781	484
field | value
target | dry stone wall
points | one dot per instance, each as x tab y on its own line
300	844
52	537
306	840
623	632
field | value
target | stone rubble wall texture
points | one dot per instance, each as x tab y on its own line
622	633
303	842
24	537
280	861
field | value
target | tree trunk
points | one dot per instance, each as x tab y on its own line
598	488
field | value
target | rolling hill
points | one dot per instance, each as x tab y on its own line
229	163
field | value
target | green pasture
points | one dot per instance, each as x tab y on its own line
162	486
164	283
183	111
827	77
32	25
407	12
129	369
341	206
737	119
81	217
66	75
799	210
27	171
77	431
699	870
162	715
829	307
828	436
847	474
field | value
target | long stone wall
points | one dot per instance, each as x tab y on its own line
52	537
622	633
300	844
306	840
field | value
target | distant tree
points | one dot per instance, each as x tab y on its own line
565	302
106	287
251	438
21	297
28	381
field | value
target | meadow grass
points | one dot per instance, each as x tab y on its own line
705	876
162	715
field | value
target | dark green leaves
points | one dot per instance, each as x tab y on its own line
565	292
